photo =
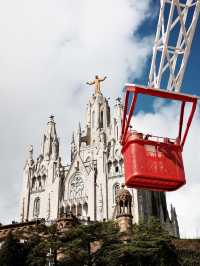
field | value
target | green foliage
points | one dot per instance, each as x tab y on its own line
41	228
36	251
97	244
188	257
150	231
84	245
149	245
12	252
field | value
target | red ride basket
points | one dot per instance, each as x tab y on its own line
154	163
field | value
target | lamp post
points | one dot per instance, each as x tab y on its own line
50	258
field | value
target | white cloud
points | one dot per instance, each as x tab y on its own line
164	122
48	50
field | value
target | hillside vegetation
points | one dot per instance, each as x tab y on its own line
99	244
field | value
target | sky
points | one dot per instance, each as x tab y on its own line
48	50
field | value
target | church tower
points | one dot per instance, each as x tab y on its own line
96	172
85	181
42	177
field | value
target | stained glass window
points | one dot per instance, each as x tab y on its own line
76	187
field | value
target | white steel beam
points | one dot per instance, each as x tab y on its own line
175	31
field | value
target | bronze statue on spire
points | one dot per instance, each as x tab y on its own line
96	82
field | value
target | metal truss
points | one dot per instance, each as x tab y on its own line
175	31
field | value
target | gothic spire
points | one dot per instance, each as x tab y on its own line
79	128
73	147
79	136
55	149
30	155
30	151
51	128
173	213
174	222
50	145
73	138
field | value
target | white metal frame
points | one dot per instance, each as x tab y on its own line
170	57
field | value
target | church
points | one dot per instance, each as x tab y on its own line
87	186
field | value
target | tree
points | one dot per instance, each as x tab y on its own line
36	251
12	252
85	244
97	244
150	245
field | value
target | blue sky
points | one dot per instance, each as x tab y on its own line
191	78
190	82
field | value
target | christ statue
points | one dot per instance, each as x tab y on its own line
96	82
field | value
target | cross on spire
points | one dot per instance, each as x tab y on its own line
51	118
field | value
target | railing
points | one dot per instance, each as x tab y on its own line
155	138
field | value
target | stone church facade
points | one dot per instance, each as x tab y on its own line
88	185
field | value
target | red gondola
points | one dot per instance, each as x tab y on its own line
150	162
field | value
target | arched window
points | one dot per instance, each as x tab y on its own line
116	187
109	166
116	169
76	187
36	207
108	116
62	211
73	209
85	209
79	210
88	159
108	148
101	119
33	182
43	180
67	209
39	183
116	166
